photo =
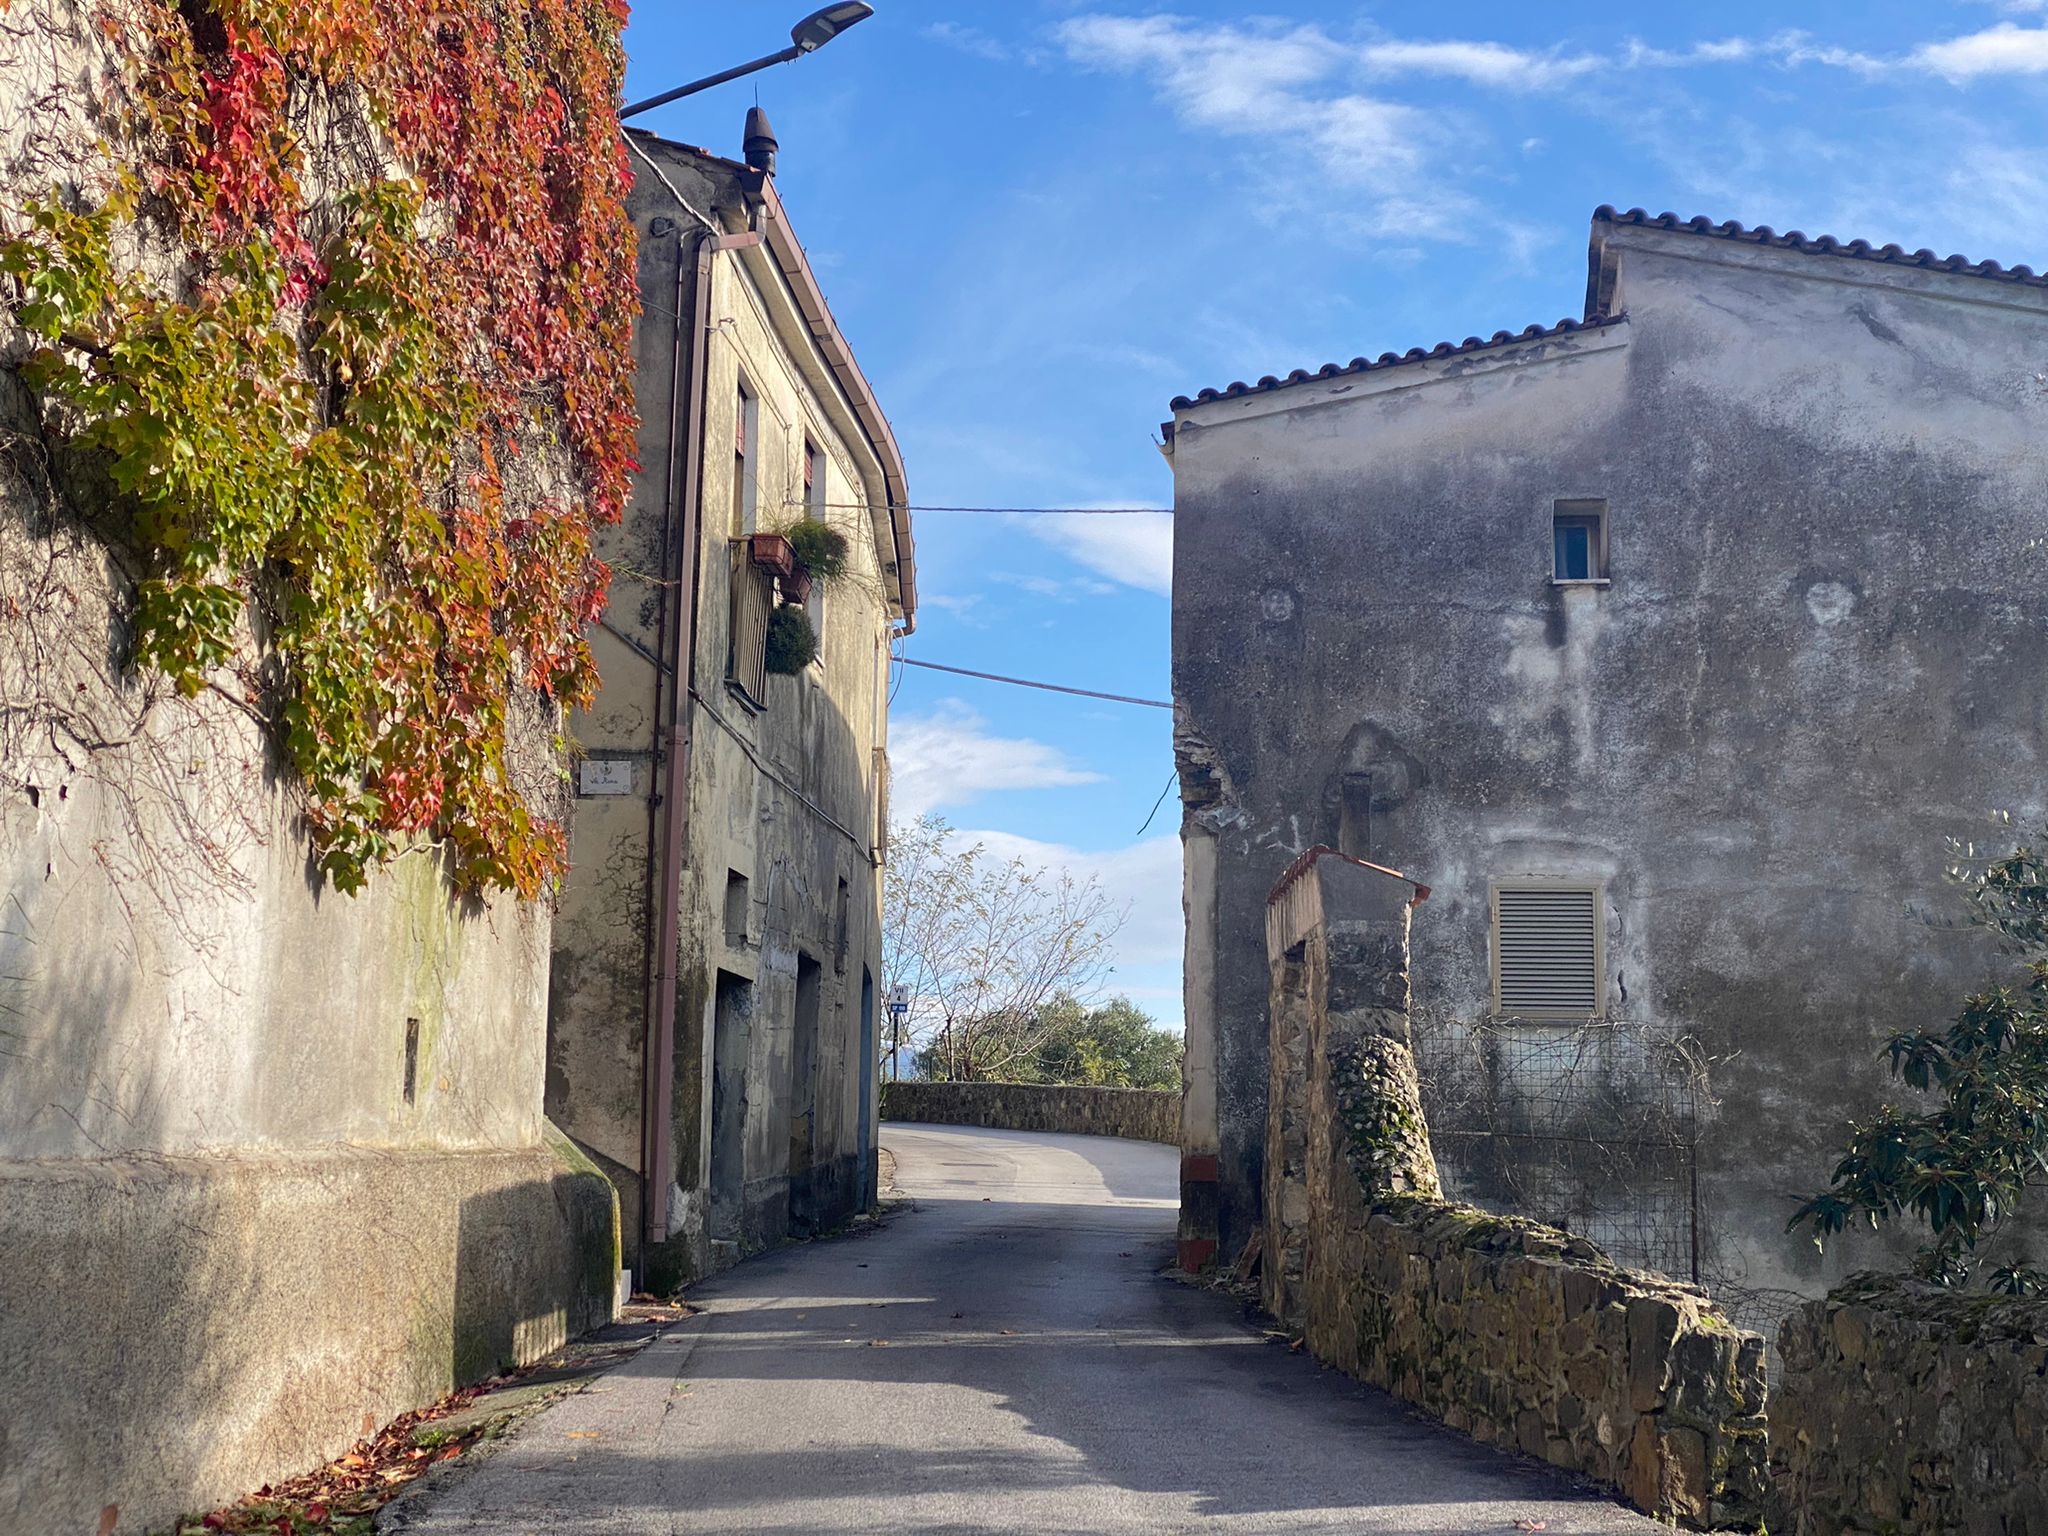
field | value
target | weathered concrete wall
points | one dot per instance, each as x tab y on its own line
1903	1409
1815	659
1138	1114
272	1158
781	879
176	1330
1512	1332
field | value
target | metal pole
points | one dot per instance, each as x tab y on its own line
781	56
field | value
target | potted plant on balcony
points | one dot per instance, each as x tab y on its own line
792	644
817	547
772	553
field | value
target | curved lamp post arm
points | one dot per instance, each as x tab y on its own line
807	36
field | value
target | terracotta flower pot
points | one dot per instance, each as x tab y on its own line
771	552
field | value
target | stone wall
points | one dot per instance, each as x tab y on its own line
1137	1114
1515	1333
1901	1408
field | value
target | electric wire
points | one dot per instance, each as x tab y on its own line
861	506
1171	780
1025	682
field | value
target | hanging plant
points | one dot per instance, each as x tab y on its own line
818	547
792	643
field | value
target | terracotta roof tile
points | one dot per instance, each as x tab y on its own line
1394	359
1822	245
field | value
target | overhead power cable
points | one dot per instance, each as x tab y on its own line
861	506
1025	682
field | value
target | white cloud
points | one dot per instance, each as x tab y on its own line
2005	49
969	40
1135	549
1729	50
959	604
1490	64
1142	879
948	758
1268	80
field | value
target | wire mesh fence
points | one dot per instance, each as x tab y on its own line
1592	1127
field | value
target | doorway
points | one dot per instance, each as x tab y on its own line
731	1043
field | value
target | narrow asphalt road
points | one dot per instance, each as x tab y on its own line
1004	1357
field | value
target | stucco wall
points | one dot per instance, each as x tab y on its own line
232	1224
1909	1410
175	1331
1140	1114
1814	663
784	797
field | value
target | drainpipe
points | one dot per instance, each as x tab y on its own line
682	555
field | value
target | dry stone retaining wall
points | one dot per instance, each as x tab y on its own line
1903	1409
1515	1333
1137	1114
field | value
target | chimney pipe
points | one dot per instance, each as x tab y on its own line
760	145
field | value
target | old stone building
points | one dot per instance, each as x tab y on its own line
1666	647
712	1011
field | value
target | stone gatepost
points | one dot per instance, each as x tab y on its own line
1337	941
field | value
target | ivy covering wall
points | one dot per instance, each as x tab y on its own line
334	338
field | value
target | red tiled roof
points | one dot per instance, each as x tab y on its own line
1596	315
1394	359
1821	245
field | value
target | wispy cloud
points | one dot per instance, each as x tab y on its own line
950	758
1134	549
1143	878
1481	63
1271	81
978	44
2005	49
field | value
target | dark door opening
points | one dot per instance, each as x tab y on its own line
731	1041
803	1098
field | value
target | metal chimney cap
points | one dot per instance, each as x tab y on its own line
759	145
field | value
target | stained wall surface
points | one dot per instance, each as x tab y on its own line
1815	659
779	889
273	1160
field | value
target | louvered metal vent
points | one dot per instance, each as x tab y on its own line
1546	950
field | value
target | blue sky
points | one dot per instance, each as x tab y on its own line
1038	222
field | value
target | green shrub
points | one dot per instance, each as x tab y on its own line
792	644
819	549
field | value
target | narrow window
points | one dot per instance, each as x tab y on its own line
746	456
1547	950
735	908
842	912
814	506
1578	531
412	1061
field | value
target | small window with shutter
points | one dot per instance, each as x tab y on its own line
1547	950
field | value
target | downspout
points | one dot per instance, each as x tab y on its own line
679	634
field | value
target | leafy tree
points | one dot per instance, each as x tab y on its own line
1962	1167
1114	1046
983	946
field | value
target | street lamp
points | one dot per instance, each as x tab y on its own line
807	36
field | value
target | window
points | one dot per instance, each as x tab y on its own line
746	449
1578	534
1547	950
814	506
736	909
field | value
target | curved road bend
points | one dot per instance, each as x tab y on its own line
1003	1358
